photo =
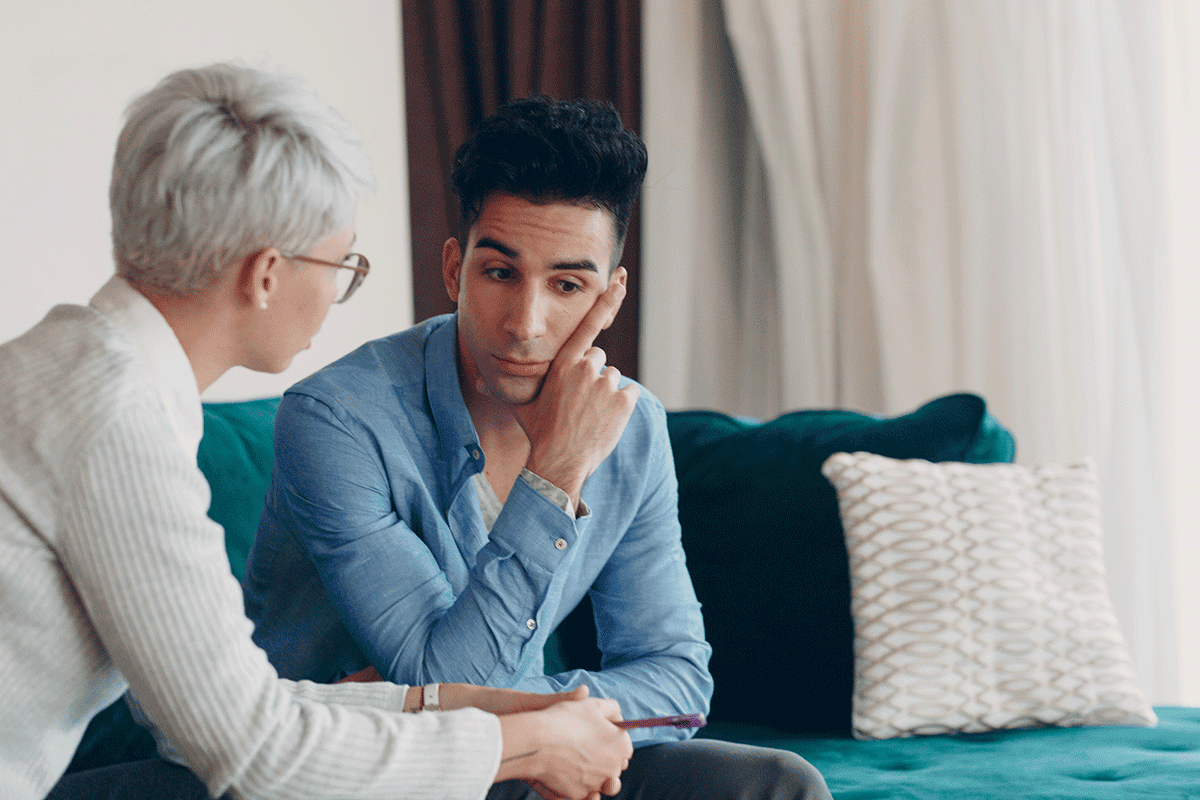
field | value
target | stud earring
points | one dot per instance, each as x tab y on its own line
263	305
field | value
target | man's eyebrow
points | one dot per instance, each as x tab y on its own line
585	264
589	266
503	249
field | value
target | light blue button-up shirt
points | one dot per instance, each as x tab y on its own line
372	548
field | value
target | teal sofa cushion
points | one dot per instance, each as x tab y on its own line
236	455
1043	764
767	554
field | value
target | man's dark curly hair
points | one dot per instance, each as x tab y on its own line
551	151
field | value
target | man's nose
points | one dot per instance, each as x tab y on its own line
526	318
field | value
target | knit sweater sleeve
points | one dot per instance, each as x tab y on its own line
150	569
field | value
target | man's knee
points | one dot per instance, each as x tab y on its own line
708	769
787	776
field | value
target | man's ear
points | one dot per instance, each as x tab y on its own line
619	275
259	277
452	267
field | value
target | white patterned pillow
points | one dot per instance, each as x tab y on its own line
979	598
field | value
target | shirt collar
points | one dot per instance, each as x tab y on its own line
170	369
456	431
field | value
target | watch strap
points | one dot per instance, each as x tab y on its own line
429	698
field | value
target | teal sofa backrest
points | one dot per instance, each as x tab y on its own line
236	455
767	553
761	531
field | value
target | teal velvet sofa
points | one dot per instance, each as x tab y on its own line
767	555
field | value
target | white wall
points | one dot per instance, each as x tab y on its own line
68	68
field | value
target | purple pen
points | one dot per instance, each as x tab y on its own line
677	721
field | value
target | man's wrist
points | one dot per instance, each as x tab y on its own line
566	479
555	494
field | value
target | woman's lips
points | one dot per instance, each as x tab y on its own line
522	369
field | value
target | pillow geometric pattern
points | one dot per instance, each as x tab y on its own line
979	599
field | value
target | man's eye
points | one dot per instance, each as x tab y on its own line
569	287
498	273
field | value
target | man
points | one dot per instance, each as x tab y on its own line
233	199
443	497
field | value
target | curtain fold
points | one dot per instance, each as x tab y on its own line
786	116
462	60
931	196
1180	26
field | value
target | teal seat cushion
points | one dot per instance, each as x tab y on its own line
1043	764
236	455
767	554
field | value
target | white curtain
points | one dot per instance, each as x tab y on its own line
1181	426
869	204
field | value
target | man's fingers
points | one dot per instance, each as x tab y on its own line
539	702
578	693
597	357
610	709
595	320
362	676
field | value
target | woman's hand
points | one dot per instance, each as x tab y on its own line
571	749
564	745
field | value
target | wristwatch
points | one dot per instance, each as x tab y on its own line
429	697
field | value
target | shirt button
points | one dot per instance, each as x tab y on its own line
475	454
560	544
531	624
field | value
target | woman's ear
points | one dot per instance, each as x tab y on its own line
452	267
260	277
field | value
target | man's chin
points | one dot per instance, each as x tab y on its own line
516	391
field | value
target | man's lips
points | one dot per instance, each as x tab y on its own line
522	369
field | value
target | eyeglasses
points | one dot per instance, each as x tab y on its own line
347	282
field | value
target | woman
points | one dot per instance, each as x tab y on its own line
233	200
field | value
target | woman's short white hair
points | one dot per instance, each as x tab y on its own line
218	163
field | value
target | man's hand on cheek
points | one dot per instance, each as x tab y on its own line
580	413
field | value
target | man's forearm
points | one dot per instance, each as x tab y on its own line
486	633
673	682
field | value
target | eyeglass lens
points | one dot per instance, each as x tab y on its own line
348	279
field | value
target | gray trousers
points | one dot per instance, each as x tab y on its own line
152	779
700	769
705	769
